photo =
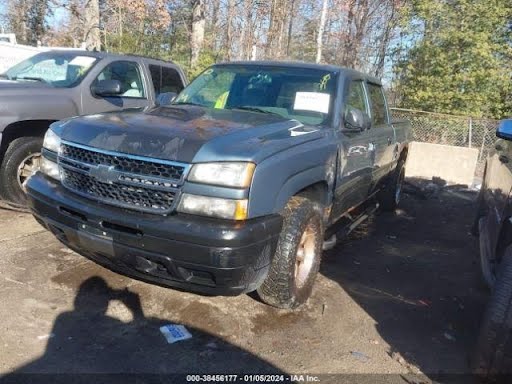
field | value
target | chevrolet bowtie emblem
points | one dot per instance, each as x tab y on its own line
104	173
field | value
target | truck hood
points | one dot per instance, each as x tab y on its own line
188	133
16	86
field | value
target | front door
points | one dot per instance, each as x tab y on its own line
355	157
133	91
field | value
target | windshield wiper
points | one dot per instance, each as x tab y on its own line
254	109
186	103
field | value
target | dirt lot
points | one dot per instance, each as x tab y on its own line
401	297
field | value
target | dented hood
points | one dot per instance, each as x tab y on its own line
187	133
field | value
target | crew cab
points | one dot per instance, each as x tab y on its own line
232	187
57	84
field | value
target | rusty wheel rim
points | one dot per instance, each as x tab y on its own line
305	256
27	168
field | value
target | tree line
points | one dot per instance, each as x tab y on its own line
450	56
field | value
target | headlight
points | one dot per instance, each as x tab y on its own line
51	141
237	175
213	206
50	168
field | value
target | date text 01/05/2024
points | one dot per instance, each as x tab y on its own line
257	378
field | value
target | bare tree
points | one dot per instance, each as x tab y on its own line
17	19
321	27
92	25
229	29
353	33
197	31
290	27
276	28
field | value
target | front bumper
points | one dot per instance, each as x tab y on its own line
183	251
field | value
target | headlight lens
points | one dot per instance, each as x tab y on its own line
236	174
50	168
213	206
51	141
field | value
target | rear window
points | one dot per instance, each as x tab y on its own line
165	79
379	113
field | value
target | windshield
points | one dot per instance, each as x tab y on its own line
296	93
59	69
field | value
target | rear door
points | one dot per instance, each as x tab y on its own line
382	133
355	156
135	90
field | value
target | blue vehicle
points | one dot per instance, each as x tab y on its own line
493	355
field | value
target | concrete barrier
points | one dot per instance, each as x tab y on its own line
455	165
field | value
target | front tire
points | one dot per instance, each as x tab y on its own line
21	159
493	355
297	258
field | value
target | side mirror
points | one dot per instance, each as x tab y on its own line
504	130
355	120
106	88
165	98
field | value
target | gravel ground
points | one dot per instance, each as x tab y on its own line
401	298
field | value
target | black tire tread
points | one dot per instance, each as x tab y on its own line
278	287
493	355
16	151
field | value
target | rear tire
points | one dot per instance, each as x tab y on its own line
389	196
297	258
23	150
493	354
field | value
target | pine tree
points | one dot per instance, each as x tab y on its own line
460	57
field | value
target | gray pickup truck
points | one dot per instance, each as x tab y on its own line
235	186
54	85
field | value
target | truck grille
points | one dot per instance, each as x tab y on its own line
123	163
134	182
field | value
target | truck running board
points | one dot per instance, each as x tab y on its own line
346	224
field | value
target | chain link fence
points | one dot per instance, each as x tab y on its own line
460	131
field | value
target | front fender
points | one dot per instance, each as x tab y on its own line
283	175
37	106
301	181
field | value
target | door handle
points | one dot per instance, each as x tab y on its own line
504	159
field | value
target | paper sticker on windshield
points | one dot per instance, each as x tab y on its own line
312	101
82	61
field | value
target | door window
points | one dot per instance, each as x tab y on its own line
128	74
165	79
379	113
357	96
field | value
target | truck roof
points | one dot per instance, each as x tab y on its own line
102	55
301	64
